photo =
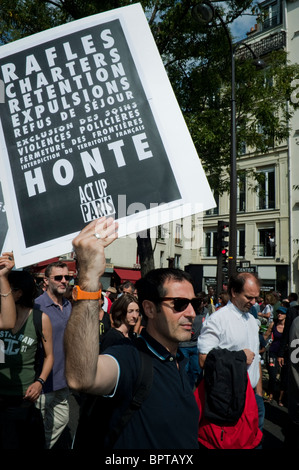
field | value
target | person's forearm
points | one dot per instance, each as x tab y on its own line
82	332
47	367
34	390
202	360
47	346
7	307
81	341
259	387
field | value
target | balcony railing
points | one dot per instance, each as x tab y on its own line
264	251
273	42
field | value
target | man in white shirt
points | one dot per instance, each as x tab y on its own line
234	328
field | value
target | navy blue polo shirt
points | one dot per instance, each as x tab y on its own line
169	416
59	318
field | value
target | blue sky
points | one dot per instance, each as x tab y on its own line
242	25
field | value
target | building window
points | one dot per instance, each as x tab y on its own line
266	189
177	261
210	243
266	136
241	193
243	148
161	233
271	15
215	210
178	234
241	243
161	258
266	246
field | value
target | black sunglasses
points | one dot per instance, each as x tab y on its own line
181	303
59	277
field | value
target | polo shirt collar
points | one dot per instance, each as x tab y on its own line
157	349
50	302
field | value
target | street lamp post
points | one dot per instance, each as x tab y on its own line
204	12
232	259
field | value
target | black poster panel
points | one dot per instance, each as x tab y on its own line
80	133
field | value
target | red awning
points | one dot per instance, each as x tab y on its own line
128	274
41	264
39	268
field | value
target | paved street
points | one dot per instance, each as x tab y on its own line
276	421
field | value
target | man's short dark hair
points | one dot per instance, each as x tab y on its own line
237	281
55	264
151	286
127	285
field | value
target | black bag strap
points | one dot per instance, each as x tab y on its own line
141	391
38	325
37	321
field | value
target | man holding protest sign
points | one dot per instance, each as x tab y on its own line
168	418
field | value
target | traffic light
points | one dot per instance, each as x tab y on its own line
222	243
224	257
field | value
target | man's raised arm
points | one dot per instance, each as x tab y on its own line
85	369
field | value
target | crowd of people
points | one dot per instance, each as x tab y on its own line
90	343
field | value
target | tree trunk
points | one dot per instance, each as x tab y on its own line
145	251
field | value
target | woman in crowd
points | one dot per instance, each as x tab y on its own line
125	314
275	331
222	300
21	380
266	315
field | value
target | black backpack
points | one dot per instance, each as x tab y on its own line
37	321
225	378
96	411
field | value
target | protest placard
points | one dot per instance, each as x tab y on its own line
90	126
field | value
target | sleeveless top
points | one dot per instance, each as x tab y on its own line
275	345
18	370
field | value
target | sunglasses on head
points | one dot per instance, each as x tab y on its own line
181	303
59	277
